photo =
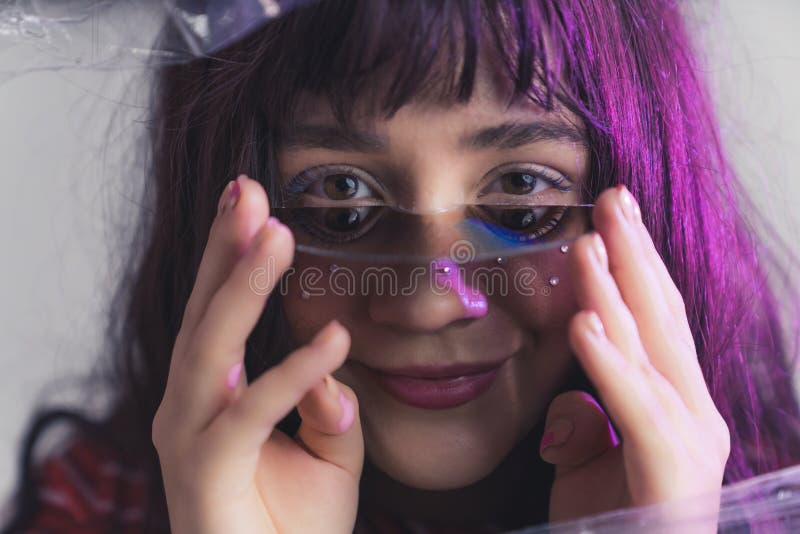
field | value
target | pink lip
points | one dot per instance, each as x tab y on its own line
437	388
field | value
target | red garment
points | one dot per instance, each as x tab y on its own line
81	486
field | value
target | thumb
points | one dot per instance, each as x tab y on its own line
331	427
577	430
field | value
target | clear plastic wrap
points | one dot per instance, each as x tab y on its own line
108	34
767	504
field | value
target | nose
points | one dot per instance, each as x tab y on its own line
431	302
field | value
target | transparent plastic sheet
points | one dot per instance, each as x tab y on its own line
767	504
117	34
380	252
507	246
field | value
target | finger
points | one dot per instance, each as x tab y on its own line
595	289
577	430
633	399
663	337
241	429
220	337
330	427
673	298
241	210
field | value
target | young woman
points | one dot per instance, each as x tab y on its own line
658	373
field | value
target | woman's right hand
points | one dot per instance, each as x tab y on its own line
226	468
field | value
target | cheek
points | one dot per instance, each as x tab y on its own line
309	303
539	294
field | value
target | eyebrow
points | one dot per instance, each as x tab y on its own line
503	136
333	138
515	134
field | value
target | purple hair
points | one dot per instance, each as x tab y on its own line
626	68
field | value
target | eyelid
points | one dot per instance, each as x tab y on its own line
552	175
555	194
301	181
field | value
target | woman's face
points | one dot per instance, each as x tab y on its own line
432	157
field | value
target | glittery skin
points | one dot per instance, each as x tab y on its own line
449	274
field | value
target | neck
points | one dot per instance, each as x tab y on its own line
514	495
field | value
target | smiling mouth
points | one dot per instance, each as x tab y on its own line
439	371
436	388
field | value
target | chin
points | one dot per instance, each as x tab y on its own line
441	466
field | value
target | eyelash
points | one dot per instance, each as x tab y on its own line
556	179
302	180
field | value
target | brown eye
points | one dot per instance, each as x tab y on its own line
340	186
342	219
521	225
518	183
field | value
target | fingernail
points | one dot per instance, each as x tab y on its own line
234	194
599	249
273	222
557	433
595	324
233	375
630	208
326	334
223	198
348	412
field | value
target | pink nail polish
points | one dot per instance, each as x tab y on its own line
233	375
233	195
348	412
547	440
557	433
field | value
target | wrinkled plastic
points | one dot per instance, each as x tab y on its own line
114	34
768	504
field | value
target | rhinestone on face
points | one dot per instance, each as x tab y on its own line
564	249
553	281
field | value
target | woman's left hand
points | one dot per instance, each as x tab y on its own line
633	340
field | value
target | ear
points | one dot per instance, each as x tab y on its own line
577	430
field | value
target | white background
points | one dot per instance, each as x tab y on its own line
65	178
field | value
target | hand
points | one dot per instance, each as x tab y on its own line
633	340
226	468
